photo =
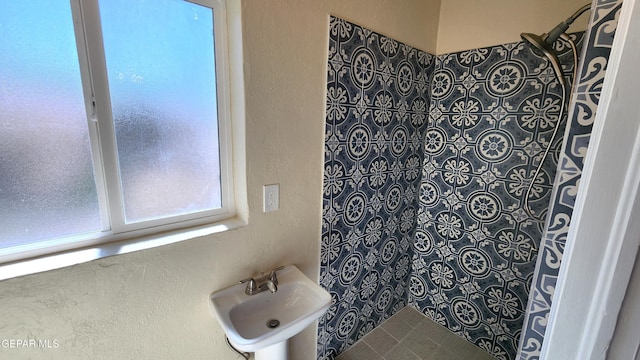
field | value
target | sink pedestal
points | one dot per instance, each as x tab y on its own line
273	352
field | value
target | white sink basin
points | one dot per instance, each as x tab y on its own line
297	303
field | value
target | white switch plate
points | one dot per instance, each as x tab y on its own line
271	199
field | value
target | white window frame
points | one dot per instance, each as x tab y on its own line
116	236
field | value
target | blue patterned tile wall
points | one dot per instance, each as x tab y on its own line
493	112
427	161
377	111
599	40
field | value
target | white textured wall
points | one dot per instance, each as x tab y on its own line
470	24
153	304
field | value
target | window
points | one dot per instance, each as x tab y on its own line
114	121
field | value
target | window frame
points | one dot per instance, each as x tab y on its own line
116	236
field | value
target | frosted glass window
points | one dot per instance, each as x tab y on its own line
47	185
162	82
114	122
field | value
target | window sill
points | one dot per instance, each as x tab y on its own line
90	253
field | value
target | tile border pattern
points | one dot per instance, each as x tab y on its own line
593	63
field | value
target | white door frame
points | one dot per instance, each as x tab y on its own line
605	232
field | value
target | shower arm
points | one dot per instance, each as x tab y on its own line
577	14
561	28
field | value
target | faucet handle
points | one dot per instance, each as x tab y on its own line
272	275
251	285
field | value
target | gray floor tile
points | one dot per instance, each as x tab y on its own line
419	345
410	315
459	346
410	335
380	340
444	354
396	327
434	331
359	351
400	352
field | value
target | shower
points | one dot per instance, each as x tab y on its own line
542	45
455	238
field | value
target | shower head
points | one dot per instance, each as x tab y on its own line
542	45
542	48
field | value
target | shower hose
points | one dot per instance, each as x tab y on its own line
566	38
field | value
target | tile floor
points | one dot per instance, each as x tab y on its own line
409	335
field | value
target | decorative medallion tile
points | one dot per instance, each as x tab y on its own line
492	114
377	110
427	165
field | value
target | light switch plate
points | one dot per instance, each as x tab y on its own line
271	199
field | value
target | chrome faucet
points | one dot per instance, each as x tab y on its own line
271	283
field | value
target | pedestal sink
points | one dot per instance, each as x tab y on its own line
263	322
